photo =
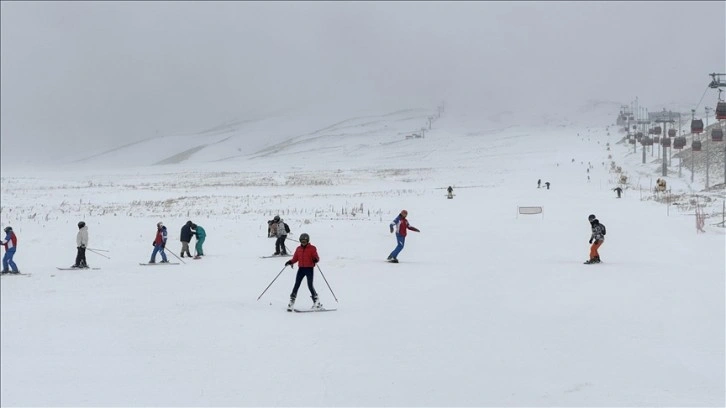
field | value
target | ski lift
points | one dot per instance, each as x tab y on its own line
679	142
671	133
697	126
717	135
657	130
665	142
656	139
696	145
721	110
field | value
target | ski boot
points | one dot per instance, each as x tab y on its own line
316	303
393	260
291	305
591	261
597	259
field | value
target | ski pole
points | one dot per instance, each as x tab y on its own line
96	249
293	239
175	256
273	281
326	282
97	253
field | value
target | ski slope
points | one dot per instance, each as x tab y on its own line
486	307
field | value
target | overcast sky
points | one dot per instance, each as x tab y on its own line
107	73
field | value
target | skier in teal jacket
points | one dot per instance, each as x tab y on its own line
201	235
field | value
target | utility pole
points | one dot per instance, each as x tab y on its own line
705	130
662	119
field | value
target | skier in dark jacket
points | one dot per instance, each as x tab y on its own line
596	239
186	238
308	257
401	226
10	242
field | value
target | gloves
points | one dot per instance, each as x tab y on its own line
415	229
153	244
316	260
83	246
590	241
391	230
163	245
288	263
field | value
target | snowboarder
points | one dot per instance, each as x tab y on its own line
186	238
10	243
596	239
307	255
201	235
81	243
159	243
618	190
281	232
401	226
450	190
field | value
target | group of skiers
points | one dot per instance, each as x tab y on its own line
188	231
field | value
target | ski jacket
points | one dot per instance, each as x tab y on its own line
597	231
186	232
280	229
200	232
307	256
401	226
82	236
10	241
160	236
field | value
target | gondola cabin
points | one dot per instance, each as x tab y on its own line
721	110
665	142
717	135
696	146
679	142
672	133
697	126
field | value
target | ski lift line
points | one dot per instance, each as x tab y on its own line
702	96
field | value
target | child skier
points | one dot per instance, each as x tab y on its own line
401	226
10	243
307	255
159	243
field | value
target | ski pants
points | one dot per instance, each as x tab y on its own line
280	245
81	256
198	246
401	240
8	260
594	247
306	272
160	249
185	249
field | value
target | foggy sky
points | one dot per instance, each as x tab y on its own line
85	75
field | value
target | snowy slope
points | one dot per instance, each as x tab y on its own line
485	308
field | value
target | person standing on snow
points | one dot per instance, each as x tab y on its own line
307	255
159	243
618	190
81	244
281	231
185	238
201	235
401	226
596	239
10	243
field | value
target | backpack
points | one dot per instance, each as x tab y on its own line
287	227
603	229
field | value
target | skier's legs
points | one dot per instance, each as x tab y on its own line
198	247
8	260
163	254
280	245
298	280
309	274
153	254
401	241
83	257
594	247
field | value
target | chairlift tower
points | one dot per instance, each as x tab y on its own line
664	118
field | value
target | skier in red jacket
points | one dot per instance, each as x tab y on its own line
401	226
307	256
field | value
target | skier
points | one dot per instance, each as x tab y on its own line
159	243
596	239
272	228
401	227
10	243
450	190
201	235
618	190
281	232
81	243
186	238
539	183
308	257
547	184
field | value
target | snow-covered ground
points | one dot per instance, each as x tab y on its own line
487	307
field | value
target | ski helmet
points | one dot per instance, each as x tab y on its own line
277	218
591	217
8	229
304	237
81	224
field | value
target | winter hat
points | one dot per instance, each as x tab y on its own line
404	213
